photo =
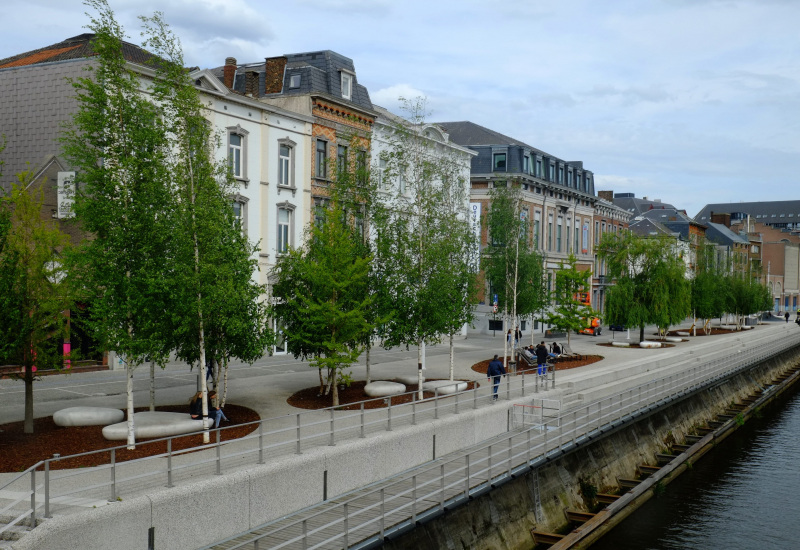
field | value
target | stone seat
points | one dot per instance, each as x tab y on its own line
649	344
150	424
409	380
382	388
87	416
673	339
444	387
621	344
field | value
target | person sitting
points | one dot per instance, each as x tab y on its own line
556	349
196	408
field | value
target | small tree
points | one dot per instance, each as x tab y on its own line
569	313
651	285
514	269
709	289
33	290
322	297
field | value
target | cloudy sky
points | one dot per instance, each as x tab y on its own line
689	101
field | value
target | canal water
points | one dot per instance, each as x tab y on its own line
745	494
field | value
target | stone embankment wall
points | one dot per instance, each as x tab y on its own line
503	518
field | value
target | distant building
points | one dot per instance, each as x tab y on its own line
629	202
777	214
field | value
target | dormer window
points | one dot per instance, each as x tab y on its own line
347	85
294	81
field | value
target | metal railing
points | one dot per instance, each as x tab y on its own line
363	518
272	437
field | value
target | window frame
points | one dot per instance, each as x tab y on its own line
321	163
349	78
241	200
242	148
288	233
286	162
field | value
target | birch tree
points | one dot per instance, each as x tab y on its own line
118	143
422	239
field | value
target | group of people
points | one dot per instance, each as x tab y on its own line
215	412
496	370
514	337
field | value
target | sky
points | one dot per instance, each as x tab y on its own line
687	101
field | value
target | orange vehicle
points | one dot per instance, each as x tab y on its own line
593	325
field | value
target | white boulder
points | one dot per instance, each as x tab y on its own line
87	416
409	380
621	344
444	387
382	388
649	344
149	424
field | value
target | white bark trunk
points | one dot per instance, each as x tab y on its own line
224	383
131	426
419	370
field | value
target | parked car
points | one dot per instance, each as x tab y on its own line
617	328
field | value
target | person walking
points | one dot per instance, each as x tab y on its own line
786	316
517	336
493	373
541	358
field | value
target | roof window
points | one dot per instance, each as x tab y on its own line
294	81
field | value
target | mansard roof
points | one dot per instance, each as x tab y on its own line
629	202
470	134
768	212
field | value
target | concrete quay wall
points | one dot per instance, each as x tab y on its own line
503	518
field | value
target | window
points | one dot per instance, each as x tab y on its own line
523	224
575	247
347	85
321	160
539	168
526	164
596	232
552	172
499	161
558	233
401	181
361	166
560	174
235	154
239	206
284	237
568	241
341	158
286	148
294	81
383	180
319	213
569	178
537	222
549	232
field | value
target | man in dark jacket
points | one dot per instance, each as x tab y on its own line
494	372
541	358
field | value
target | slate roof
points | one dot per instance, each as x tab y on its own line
666	214
721	234
470	134
320	72
77	47
649	228
768	212
639	206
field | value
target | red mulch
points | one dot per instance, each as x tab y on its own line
20	450
714	331
561	364
309	398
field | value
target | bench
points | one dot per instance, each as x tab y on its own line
150	424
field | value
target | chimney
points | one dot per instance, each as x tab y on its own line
723	218
273	79
606	195
251	83
228	72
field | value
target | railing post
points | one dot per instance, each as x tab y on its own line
169	463
489	469
113	475
383	511
219	455
466	479
510	452
475	396
298	451
508	388
346	529
47	488
305	534
523	382
414	409
33	498
261	442
362	420
528	453
553	386
436	403
414	500
332	443
389	418
456	411
441	486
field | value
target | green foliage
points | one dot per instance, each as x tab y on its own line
514	269
33	289
569	313
659	488
651	285
424	246
709	288
739	419
323	298
588	490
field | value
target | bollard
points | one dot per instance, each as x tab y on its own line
298	436
261	442
332	443
169	463
113	476
219	455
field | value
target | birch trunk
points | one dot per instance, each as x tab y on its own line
367	359
131	427
152	385
224	381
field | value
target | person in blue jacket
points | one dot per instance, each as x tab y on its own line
494	372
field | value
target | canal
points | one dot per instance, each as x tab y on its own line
744	494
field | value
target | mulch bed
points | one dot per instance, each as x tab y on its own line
310	398
19	450
714	331
561	364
